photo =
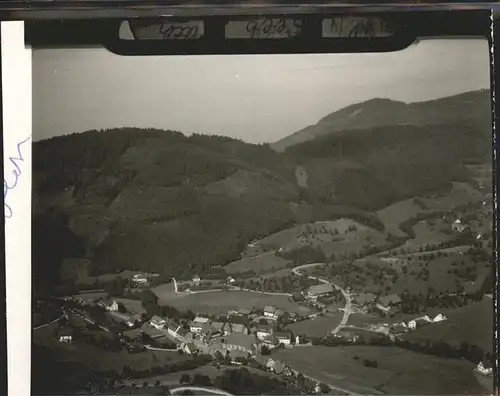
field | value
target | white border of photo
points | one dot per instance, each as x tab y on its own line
17	126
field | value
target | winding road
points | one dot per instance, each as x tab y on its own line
348	304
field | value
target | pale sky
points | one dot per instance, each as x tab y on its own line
257	98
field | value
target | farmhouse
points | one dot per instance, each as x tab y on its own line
321	290
237	328
241	342
212	330
389	303
197	324
65	334
439	318
172	330
196	280
458	226
132	335
482	369
418	322
121	318
364	299
270	312
264	331
283	338
275	366
139	279
270	342
108	305
157	322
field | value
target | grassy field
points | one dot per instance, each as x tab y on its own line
266	262
460	194
472	323
318	327
398	372
220	302
393	215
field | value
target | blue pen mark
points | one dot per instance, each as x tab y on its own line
16	162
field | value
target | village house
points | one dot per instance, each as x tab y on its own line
240	312
283	338
264	331
139	279
121	318
230	280
364	300
236	328
321	290
65	335
212	330
132	335
482	369
108	305
270	312
270	342
275	366
241	342
388	304
196	280
157	322
457	226
197	324
439	318
418	322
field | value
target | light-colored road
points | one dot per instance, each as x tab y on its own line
348	310
89	320
212	391
48	324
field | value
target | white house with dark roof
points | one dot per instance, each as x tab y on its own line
264	331
158	322
108	305
197	324
270	312
283	338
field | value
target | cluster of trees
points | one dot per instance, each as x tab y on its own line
306	254
284	284
420	302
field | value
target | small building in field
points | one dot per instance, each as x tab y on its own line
439	318
65	335
482	369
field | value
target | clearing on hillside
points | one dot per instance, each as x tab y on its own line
393	215
266	262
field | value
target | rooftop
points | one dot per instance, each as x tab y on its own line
269	309
199	320
246	341
390	299
323	288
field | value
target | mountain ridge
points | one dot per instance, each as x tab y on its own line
378	112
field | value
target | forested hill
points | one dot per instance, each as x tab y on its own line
156	200
470	108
